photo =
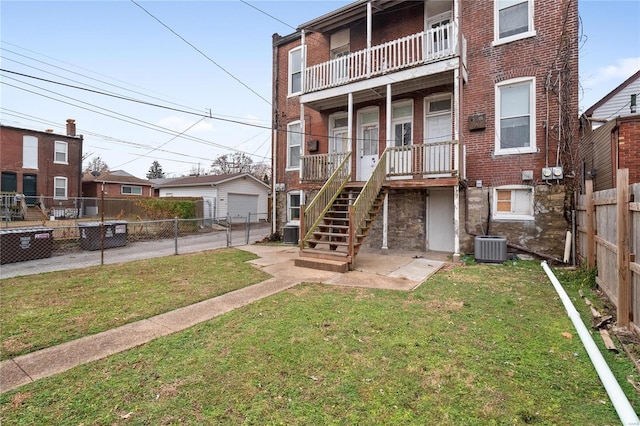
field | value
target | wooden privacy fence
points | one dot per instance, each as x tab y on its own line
608	237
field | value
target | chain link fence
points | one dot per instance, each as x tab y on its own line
82	243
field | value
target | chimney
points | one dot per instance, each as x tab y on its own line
71	127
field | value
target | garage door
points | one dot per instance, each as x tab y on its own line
242	204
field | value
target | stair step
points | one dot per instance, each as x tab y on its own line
341	266
329	225
330	234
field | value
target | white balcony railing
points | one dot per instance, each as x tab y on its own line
430	160
416	49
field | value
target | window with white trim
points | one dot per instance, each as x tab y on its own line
515	116
294	143
513	202
29	152
61	152
131	190
60	188
293	206
513	20
295	71
402	123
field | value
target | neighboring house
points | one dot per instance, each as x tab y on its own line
235	195
610	138
116	184
456	117
43	166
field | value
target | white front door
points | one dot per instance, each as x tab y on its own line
400	158
440	229
368	152
438	26
368	143
438	133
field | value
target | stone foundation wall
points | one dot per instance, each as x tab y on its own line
545	234
407	218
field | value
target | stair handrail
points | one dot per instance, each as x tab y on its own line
316	210
360	208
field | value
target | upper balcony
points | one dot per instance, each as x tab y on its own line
427	47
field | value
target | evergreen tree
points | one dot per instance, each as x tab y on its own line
155	171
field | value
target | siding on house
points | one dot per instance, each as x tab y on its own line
208	194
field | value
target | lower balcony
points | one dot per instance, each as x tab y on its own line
411	162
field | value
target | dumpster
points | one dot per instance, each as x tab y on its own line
20	244
115	234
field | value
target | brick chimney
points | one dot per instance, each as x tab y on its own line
71	127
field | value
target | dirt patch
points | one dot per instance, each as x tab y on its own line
19	399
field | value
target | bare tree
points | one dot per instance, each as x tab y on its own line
96	164
227	164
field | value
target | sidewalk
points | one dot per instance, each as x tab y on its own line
373	270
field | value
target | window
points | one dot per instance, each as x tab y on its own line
513	202
60	188
61	152
294	142
29	152
132	190
338	133
438	26
515	116
293	206
369	131
295	71
401	121
513	20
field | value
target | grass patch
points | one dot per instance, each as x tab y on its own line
43	310
474	345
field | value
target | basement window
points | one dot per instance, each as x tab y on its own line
513	202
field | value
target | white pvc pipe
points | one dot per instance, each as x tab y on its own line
619	400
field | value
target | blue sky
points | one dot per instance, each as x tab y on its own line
115	46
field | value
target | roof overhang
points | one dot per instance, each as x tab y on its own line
345	15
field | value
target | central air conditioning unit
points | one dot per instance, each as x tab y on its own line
490	249
290	234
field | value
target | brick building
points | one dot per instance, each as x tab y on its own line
41	165
435	121
610	138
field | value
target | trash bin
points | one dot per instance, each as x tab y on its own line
20	244
115	234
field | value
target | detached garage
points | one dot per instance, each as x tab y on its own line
241	205
237	195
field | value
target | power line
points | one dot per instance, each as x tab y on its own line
202	53
125	98
270	16
127	120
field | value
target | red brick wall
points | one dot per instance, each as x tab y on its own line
11	159
529	57
629	148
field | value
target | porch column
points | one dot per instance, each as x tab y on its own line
385	222
456	224
385	211
369	13
350	123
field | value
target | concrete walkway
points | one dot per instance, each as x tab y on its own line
373	270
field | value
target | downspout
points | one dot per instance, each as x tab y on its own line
369	18
457	92
303	142
619	400
274	139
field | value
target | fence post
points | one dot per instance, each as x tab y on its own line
248	227
622	242
228	230
175	234
591	241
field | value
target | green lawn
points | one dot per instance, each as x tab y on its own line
43	310
474	345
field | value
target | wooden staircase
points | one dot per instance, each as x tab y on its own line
335	237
